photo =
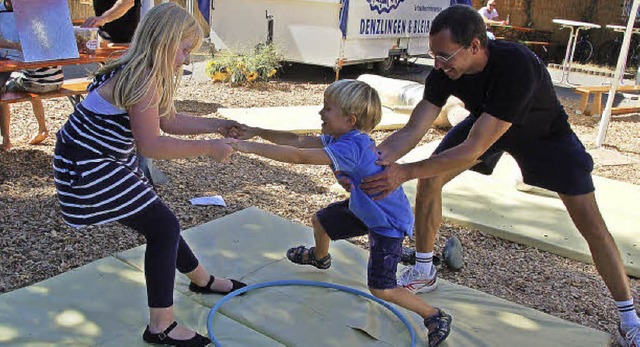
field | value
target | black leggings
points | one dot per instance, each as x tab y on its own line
166	251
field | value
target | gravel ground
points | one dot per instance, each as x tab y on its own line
35	244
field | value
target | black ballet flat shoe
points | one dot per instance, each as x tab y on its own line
164	339
207	289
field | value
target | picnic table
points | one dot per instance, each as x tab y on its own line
537	40
73	89
575	27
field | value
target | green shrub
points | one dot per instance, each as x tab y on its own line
260	65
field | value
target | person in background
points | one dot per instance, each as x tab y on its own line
130	105
490	14
39	81
117	19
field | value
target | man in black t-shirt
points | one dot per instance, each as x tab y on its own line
117	19
514	109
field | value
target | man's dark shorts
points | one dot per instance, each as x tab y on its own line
558	164
384	252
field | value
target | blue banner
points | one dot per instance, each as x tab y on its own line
204	6
344	17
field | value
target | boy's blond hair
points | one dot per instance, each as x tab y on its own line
151	55
356	98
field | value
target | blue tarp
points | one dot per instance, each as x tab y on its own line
344	17
204	6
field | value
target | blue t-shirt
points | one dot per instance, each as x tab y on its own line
354	155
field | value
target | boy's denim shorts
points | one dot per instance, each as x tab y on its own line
384	252
559	164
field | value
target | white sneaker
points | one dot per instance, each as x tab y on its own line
629	338
418	282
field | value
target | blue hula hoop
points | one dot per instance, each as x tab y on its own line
217	306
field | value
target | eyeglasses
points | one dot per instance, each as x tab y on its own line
444	59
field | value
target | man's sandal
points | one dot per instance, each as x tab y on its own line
296	255
207	289
164	339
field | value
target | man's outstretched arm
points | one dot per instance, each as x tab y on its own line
484	133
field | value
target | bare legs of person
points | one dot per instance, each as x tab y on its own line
586	216
43	133
422	277
5	120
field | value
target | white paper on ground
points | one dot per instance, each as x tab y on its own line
208	200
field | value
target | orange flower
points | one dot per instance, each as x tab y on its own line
252	76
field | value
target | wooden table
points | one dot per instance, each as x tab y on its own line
509	32
73	89
575	27
101	55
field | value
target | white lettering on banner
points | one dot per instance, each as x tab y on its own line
393	26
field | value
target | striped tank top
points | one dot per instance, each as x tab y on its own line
96	171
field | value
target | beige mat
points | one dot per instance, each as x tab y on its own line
607	157
103	303
299	119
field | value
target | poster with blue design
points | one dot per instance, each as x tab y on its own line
45	30
389	18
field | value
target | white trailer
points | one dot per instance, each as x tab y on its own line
331	33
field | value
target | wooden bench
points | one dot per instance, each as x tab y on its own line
74	89
536	43
597	91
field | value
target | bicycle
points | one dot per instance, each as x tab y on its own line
609	51
584	49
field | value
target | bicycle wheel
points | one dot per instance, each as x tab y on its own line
583	52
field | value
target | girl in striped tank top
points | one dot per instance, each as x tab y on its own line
96	169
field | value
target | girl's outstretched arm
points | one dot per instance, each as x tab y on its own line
284	153
185	124
285	138
145	125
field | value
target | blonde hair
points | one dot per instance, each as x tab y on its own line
150	58
356	98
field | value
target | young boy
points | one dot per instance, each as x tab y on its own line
351	110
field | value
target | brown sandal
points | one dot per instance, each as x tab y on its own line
296	255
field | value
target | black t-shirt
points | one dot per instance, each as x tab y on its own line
514	86
122	29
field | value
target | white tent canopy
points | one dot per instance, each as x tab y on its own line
606	114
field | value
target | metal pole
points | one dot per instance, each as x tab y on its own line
606	114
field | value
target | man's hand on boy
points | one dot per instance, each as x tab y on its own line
382	184
344	181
